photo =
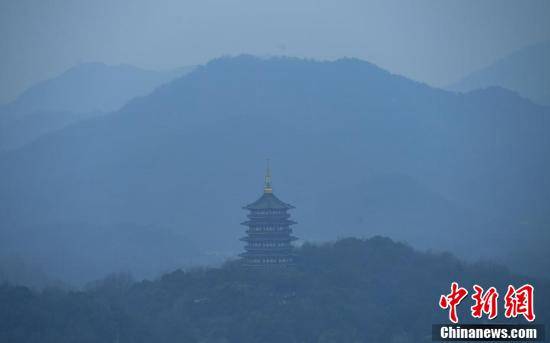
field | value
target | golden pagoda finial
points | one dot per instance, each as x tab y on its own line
267	183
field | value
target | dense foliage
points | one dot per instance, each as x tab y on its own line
352	290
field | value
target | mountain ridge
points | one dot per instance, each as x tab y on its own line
80	92
525	71
193	148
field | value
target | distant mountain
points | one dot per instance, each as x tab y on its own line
92	87
16	270
79	252
422	216
84	91
526	71
357	150
18	129
352	290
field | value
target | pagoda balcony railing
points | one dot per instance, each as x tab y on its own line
269	235
286	247
270	216
274	233
251	255
269	212
286	238
266	261
268	222
277	230
267	253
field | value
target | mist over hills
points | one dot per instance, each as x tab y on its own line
92	86
73	253
83	91
351	290
526	71
357	150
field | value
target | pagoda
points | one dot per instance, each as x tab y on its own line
268	240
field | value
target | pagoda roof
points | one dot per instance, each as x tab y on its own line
268	201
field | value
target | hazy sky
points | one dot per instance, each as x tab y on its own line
433	41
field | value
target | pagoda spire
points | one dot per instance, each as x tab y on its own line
267	182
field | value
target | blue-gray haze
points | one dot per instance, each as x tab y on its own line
112	167
432	41
358	151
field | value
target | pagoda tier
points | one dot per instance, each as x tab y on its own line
269	239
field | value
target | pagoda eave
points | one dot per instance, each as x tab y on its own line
264	254
283	222
269	238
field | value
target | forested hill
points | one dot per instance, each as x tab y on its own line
352	290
